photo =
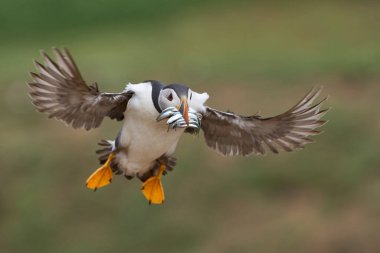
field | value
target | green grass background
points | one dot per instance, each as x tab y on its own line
249	56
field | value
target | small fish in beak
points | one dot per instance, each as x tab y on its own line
176	117
184	110
167	113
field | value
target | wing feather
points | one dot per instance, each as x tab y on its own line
231	134
59	90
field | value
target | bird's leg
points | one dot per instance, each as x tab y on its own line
152	187
102	176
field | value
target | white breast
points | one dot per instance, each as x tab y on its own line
143	138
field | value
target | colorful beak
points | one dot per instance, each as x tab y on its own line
184	109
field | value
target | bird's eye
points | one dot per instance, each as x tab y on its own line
170	97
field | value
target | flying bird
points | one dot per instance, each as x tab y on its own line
155	116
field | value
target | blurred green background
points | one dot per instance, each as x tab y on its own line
249	57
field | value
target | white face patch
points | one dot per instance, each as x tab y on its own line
168	98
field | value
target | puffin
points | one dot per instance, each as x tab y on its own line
155	116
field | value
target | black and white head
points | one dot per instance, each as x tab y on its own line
178	96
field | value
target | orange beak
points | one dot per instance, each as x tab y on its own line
184	109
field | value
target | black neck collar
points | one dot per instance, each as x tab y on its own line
156	88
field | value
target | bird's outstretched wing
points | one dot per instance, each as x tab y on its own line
231	134
60	91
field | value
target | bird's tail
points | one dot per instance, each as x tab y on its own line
106	147
169	163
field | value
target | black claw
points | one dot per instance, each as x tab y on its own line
95	189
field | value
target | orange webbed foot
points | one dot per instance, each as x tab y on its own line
152	188
102	176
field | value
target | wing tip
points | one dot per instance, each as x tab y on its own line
43	54
38	65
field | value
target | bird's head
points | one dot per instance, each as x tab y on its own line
176	95
189	104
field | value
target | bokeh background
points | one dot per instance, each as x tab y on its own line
249	57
